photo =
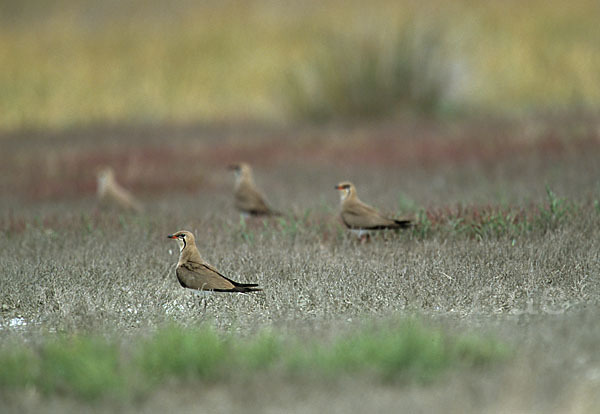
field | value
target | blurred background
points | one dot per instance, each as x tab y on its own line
77	62
143	85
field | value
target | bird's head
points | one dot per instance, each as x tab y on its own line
105	177
105	174
346	189
183	238
242	171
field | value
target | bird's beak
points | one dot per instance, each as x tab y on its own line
337	187
232	167
171	236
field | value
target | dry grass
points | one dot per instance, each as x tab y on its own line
71	268
113	272
80	62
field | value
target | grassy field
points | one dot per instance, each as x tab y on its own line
77	63
488	305
475	119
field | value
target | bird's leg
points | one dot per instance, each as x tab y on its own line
202	300
363	235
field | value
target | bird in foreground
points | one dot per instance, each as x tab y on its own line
110	191
362	218
194	273
248	199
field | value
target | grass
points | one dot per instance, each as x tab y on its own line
130	63
175	352
91	367
490	301
406	350
366	76
499	221
87	367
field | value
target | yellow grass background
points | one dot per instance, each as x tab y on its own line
78	62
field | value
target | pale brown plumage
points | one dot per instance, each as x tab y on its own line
248	199
357	215
110	191
194	273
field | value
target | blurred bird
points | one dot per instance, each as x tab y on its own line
248	199
362	218
194	273
111	192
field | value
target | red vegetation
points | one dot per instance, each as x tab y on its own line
41	167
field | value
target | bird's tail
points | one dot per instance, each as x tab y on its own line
247	289
246	285
403	224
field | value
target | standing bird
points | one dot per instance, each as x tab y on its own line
194	273
360	217
248	199
111	192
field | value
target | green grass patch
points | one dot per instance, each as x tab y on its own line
178	353
18	367
480	222
86	366
90	367
406	350
555	211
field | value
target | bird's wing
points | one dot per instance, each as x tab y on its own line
202	276
249	199
358	215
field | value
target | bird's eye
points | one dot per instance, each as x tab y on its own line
182	236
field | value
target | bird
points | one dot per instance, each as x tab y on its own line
110	191
248	199
361	218
194	273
